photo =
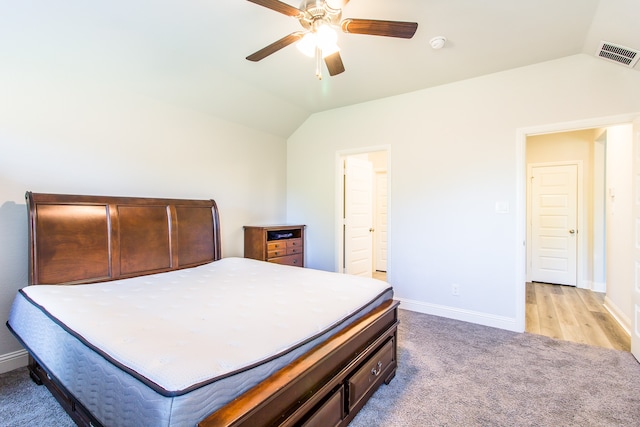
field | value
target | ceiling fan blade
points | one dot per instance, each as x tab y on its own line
279	6
276	46
334	63
373	27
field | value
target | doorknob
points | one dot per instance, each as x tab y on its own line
371	230
572	231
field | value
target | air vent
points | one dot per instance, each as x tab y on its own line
616	53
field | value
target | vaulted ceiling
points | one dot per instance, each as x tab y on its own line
192	52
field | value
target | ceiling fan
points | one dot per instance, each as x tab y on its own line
319	18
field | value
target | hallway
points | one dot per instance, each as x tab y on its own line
572	314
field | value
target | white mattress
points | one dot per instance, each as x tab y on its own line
181	334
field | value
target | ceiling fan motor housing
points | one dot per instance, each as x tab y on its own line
318	11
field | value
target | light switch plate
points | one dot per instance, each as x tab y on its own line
502	207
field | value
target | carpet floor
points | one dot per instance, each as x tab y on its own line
451	373
454	373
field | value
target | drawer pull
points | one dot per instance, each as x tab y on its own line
375	372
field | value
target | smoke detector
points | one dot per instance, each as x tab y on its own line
619	54
438	42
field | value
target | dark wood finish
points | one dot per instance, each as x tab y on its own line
275	46
85	239
374	27
334	64
331	412
70	404
278	6
295	393
371	373
259	245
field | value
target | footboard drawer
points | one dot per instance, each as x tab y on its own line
374	371
331	412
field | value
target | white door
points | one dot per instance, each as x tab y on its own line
358	217
554	208
635	335
380	232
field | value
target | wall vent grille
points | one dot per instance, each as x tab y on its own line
620	54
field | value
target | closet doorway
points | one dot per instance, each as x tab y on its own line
363	213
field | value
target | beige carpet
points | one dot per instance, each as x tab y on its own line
452	373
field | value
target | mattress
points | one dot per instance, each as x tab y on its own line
169	349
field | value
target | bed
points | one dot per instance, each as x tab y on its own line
135	318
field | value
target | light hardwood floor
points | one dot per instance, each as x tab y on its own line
380	275
572	314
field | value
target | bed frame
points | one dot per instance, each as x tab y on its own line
77	239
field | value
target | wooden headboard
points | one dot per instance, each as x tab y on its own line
77	239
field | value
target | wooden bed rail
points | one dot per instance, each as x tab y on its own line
108	238
290	396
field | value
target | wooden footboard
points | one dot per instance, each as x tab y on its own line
326	387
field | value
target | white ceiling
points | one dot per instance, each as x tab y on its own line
192	52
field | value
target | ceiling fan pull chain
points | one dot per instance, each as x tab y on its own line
318	63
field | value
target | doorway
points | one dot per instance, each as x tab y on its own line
597	240
362	216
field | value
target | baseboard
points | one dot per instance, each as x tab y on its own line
14	360
617	314
594	286
477	317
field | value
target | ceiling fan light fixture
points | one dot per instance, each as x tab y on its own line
307	45
326	35
335	4
323	37
327	39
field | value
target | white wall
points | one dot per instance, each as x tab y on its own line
453	155
619	217
60	136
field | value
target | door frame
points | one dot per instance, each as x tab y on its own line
580	215
339	200
521	194
377	251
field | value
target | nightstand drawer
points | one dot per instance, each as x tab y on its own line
277	245
288	260
294	246
276	253
294	243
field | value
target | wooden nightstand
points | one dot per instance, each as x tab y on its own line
282	244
